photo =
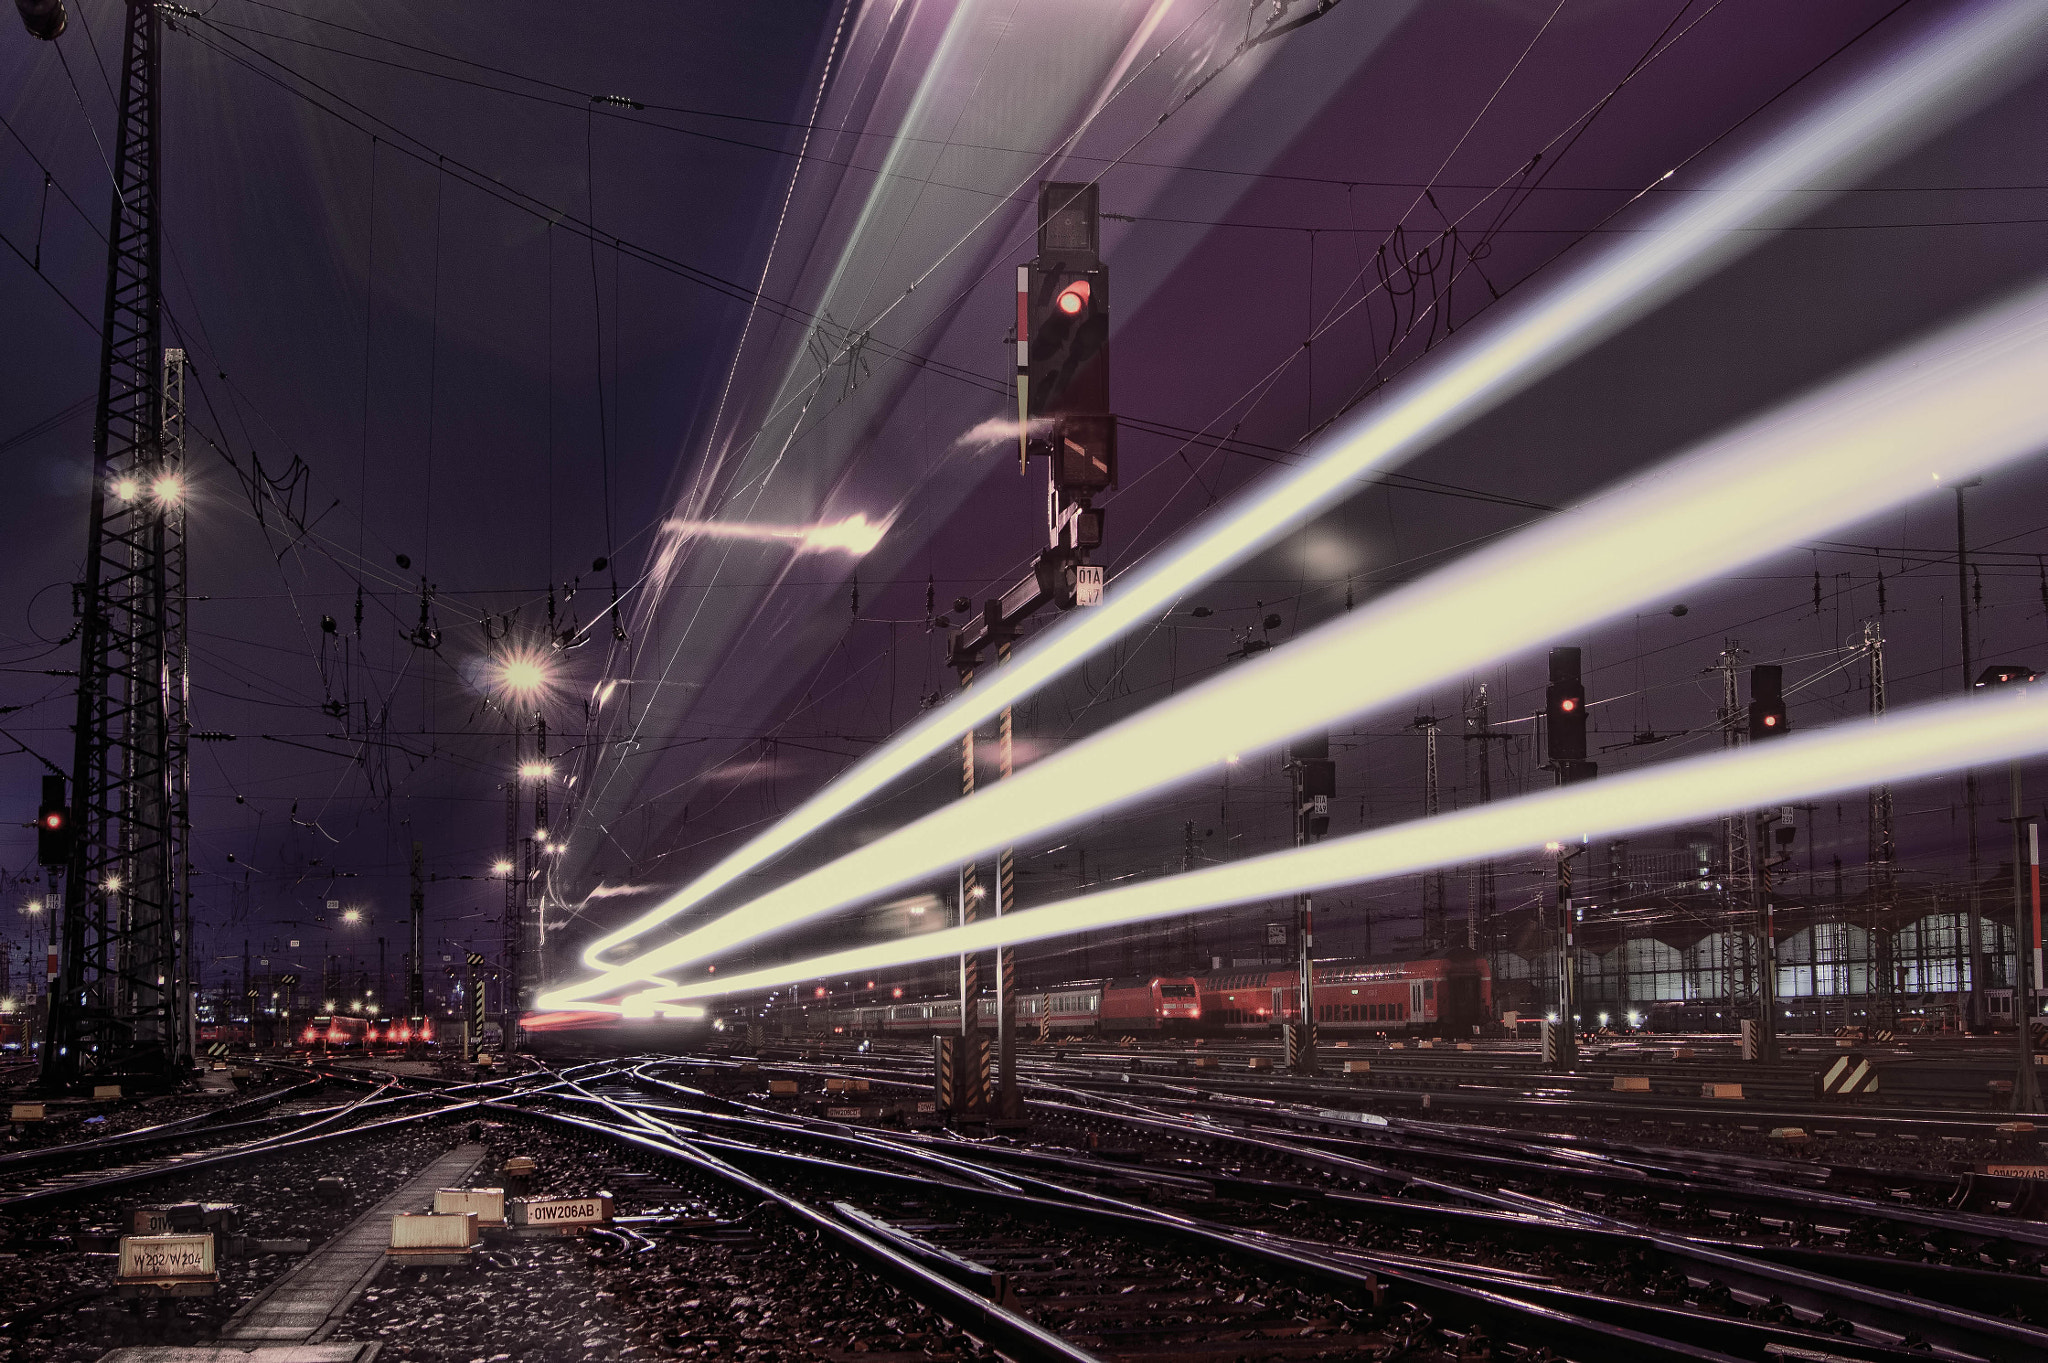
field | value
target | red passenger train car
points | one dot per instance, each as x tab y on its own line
1162	1003
341	1032
335	1033
1447	996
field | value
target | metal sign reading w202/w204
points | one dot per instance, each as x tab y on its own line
175	1265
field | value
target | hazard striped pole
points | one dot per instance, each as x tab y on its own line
476	1005
970	909
1010	1103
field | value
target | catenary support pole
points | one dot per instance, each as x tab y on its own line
415	983
2026	1085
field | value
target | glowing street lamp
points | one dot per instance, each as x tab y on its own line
536	771
352	916
501	867
524	675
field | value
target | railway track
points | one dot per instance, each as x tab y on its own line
1416	1087
52	1174
1728	1279
1141	1226
1066	1277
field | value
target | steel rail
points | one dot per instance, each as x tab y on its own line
1012	1334
1522	1321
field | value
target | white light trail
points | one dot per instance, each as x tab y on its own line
1976	730
1001	431
1966	62
1954	405
853	535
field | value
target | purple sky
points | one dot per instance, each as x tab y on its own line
472	440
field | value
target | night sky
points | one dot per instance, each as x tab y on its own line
457	310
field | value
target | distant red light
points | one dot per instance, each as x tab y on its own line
1568	705
1073	298
819	992
1770	721
897	992
53	820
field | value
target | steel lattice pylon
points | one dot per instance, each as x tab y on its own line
118	1001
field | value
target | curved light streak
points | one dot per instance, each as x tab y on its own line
1467	378
1902	746
1959	403
854	534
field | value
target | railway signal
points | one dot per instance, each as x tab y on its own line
1767	715
53	825
1564	713
1063	416
44	19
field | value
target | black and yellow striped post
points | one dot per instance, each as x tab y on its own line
1008	1102
473	1039
945	1072
1566	1053
970	1094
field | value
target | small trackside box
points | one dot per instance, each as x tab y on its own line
487	1203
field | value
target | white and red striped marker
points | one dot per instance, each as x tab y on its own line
1023	360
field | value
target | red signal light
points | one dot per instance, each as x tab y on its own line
1770	721
897	992
819	992
1073	298
1568	705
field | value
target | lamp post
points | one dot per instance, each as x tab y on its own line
524	679
2026	1088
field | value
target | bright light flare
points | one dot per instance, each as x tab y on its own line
1956	404
168	489
128	488
1905	745
501	867
536	771
1967	61
854	535
523	674
352	916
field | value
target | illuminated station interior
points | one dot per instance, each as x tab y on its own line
628	743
